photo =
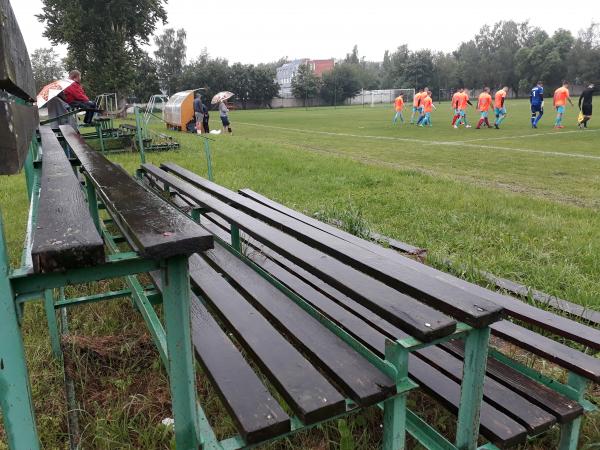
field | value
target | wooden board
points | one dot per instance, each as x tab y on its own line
360	380
256	414
64	237
152	226
17	127
418	319
567	357
546	299
16	75
307	392
463	305
528	414
562	407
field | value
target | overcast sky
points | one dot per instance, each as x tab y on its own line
266	30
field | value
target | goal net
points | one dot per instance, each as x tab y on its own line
380	97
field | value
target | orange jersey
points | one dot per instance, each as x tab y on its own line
455	99
462	100
399	103
484	102
499	98
560	96
417	99
427	104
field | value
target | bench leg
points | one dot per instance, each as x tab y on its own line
15	393
235	238
569	432
182	380
92	203
52	323
394	409
471	393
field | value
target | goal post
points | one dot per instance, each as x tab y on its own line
380	96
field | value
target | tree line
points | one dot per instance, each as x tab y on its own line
105	42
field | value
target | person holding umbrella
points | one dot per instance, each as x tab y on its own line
220	98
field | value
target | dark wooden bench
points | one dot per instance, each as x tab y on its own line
515	404
65	236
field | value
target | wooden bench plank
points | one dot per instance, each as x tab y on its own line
562	407
364	331
360	380
562	326
256	414
64	237
534	418
17	127
418	319
465	306
567	357
16	75
152	226
307	392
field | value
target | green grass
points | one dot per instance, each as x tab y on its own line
517	202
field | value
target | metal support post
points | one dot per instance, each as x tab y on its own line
394	409
92	202
569	432
235	237
471	393
52	323
139	134
99	131
208	159
176	306
29	171
15	393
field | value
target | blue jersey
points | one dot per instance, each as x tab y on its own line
537	96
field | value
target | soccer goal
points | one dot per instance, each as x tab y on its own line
380	97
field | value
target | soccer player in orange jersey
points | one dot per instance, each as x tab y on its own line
416	105
463	101
499	108
483	105
455	102
428	106
561	95
399	107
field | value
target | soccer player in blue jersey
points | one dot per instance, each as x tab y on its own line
536	99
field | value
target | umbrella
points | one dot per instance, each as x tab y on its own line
221	96
51	90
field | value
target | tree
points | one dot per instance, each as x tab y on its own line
170	58
46	67
264	87
210	74
341	83
352	58
305	84
103	37
146	80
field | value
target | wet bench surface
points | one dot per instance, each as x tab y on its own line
65	236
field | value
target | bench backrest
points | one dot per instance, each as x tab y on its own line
18	115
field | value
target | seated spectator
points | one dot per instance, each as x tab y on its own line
75	96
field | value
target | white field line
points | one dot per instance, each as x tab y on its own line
550	133
428	142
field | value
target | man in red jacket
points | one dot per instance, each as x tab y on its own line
75	96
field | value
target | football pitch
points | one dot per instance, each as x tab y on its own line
520	203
